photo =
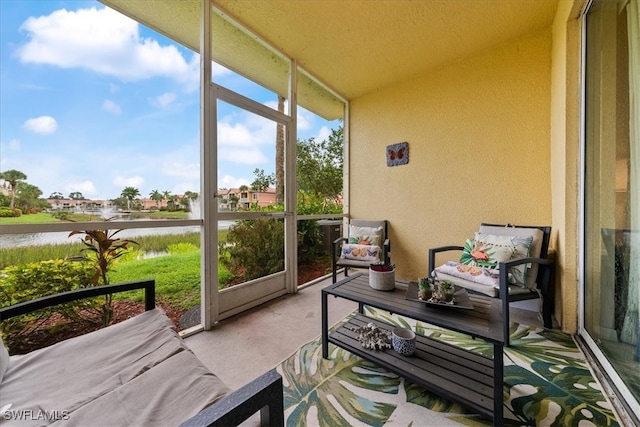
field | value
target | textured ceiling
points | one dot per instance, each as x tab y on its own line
358	46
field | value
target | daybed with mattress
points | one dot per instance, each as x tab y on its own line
138	372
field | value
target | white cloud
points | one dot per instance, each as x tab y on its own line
179	169
104	41
323	134
133	181
164	100
228	181
87	188
274	105
246	156
234	134
43	125
247	130
111	107
305	119
243	137
182	187
217	70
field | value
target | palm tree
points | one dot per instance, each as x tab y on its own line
130	193
156	196
171	202
13	177
188	198
166	195
191	195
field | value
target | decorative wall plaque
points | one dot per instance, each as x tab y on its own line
398	154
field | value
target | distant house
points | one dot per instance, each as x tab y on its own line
233	199
78	205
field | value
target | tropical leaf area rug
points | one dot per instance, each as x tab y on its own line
547	382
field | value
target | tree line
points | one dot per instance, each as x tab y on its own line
319	167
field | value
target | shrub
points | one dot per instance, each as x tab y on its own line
61	215
10	213
103	249
26	282
254	248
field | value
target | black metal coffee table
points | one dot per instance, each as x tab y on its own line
471	379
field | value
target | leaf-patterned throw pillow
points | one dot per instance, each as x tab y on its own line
487	250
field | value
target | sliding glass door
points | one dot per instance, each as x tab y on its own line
611	285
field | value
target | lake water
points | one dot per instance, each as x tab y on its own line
30	239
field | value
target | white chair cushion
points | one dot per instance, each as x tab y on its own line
490	290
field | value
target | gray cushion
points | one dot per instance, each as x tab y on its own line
490	290
165	395
74	372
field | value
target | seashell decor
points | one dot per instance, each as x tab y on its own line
372	337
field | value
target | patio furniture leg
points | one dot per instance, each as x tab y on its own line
498	374
325	327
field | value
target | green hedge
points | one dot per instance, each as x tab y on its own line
26	282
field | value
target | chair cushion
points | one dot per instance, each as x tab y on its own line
482	275
365	235
534	251
489	290
361	252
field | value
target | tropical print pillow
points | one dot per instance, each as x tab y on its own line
487	250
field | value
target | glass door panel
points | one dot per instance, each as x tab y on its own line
612	192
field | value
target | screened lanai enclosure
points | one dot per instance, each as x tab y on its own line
514	112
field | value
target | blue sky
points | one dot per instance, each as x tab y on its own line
92	101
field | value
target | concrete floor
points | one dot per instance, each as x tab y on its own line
242	347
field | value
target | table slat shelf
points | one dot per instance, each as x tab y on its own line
470	383
468	378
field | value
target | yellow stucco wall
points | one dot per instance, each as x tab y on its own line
565	159
478	134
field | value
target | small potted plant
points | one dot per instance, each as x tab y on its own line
446	291
425	291
382	277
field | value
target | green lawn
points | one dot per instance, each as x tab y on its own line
42	217
35	219
177	277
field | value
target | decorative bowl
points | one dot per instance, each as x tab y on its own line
403	341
